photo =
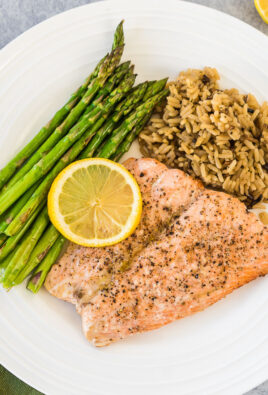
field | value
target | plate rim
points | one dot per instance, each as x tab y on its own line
7	52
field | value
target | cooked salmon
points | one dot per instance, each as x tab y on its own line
192	248
71	278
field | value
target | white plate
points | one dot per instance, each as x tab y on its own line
223	350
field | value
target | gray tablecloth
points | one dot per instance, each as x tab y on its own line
16	16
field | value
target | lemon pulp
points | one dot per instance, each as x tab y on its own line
95	202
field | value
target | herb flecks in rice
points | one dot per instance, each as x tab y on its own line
219	136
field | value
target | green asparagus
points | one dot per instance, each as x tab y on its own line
13	241
38	254
126	144
112	82
42	270
98	150
4	265
154	88
71	119
130	122
45	243
137	95
121	109
21	200
119	38
23	252
7	172
15	209
47	162
3	238
118	41
41	192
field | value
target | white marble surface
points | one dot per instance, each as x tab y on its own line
16	16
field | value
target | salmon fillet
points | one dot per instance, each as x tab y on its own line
82	271
192	248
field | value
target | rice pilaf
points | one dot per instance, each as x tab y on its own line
219	136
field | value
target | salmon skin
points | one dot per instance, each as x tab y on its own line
192	247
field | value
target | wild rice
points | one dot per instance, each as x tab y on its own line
219	136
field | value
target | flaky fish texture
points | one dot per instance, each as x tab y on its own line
192	247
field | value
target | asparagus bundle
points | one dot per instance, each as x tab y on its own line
40	273
17	268
7	172
47	162
22	254
95	118
123	109
134	119
45	243
40	194
71	119
105	98
126	144
39	252
15	209
13	241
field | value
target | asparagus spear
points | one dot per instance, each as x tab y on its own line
41	192
60	131
2	239
4	264
46	163
15	209
153	88
73	116
118	41
119	37
15	163
13	241
130	122
126	144
42	270
45	240
38	254
98	150
23	252
39	196
123	109
111	84
45	243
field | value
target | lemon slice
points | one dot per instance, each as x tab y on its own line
95	202
262	8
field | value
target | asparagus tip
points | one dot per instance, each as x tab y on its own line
131	69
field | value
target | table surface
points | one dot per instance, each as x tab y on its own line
16	16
